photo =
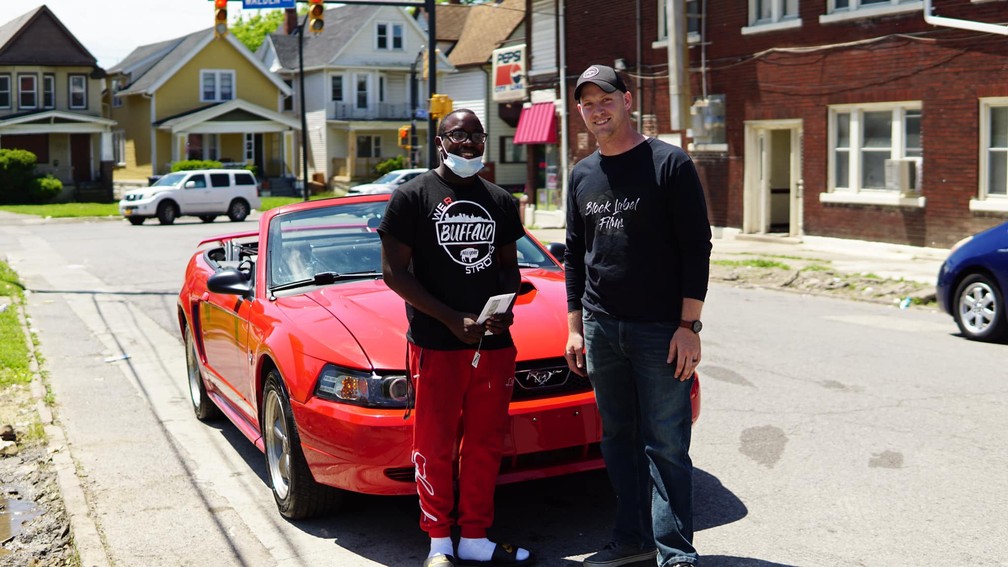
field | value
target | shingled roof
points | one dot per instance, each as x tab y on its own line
486	28
342	24
39	38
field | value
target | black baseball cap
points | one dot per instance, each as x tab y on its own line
604	77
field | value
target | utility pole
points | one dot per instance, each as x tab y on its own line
304	117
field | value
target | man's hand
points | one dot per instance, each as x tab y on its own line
467	329
499	322
684	352
574	353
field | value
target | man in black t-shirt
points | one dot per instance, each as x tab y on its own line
448	245
637	264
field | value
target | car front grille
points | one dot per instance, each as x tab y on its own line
539	379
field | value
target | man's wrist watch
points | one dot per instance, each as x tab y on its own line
694	326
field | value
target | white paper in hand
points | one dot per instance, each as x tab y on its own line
494	305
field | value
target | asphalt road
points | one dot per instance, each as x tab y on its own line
832	432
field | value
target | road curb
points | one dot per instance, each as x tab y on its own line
84	532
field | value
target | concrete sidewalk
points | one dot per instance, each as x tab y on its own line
892	261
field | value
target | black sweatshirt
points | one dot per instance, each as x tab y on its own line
638	238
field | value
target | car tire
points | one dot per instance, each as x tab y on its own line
980	309
167	212
203	406
207	218
297	494
136	221
238	210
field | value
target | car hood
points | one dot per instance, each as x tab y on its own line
374	317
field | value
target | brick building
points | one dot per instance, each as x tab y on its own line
844	118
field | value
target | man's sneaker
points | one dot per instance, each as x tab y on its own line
615	554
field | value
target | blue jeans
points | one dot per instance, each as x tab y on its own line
646	421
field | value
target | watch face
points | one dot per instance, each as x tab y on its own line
697	326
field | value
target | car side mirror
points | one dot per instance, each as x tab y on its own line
558	249
190	184
230	281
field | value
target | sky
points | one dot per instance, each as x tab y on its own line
111	29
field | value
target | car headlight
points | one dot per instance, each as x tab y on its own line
363	389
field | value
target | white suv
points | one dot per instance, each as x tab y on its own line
204	193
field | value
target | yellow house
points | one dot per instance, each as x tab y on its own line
200	97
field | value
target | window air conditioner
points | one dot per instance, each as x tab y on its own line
901	175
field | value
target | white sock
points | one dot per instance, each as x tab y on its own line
482	549
440	546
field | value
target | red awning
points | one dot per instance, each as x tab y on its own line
537	124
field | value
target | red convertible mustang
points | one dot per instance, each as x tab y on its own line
291	333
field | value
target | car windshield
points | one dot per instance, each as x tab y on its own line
170	179
340	243
387	178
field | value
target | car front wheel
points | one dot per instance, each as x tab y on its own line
136	221
166	213
238	210
207	218
296	493
203	407
980	309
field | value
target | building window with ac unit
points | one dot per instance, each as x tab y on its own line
875	154
993	160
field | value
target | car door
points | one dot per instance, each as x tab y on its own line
195	196
224	323
220	191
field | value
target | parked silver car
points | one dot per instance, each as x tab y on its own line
205	193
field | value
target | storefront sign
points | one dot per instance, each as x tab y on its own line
509	73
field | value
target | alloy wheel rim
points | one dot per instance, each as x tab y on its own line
977	307
277	445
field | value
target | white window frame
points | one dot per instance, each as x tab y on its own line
854	193
393	32
250	147
6	89
49	90
778	19
366	78
985	201
342	88
77	87
116	87
691	36
218	94
375	142
31	91
119	147
857	9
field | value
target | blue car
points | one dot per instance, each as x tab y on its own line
972	284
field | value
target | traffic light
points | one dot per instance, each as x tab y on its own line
220	17
404	137
316	13
440	106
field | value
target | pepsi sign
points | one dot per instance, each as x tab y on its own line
509	73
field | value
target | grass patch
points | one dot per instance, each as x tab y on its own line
754	263
14	354
816	268
66	210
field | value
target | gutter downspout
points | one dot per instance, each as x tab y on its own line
564	142
961	24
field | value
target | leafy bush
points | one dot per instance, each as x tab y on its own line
17	176
398	162
190	164
44	189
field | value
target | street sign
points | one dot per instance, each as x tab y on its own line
509	73
260	4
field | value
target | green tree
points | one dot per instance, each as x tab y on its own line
252	31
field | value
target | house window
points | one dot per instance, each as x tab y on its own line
837	10
509	152
362	91
5	91
381	88
337	88
202	146
869	144
288	100
993	193
389	36
216	86
78	91
851	5
119	147
249	148
48	91
368	146
694	20
117	85
27	91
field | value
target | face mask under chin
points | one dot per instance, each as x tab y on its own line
461	166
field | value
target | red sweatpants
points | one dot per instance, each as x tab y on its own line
452	397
